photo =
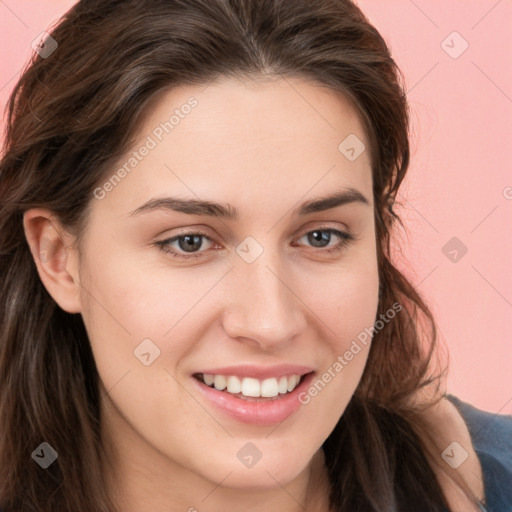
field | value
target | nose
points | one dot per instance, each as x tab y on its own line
263	309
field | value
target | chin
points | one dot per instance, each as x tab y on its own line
278	470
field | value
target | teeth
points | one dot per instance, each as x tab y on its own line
251	387
283	385
234	385
219	382
269	387
208	379
293	380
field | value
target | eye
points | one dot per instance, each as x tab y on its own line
188	244
322	235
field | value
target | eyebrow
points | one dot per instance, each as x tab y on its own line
226	211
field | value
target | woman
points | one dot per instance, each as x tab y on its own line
199	305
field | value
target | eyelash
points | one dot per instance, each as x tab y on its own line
346	239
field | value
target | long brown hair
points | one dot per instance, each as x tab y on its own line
74	112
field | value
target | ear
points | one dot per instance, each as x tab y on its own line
55	257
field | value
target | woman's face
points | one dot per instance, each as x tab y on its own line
259	296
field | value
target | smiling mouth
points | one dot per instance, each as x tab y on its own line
251	389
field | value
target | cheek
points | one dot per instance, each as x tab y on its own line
356	315
121	309
347	308
345	298
132	309
125	294
356	307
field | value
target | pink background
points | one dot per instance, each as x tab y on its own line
460	179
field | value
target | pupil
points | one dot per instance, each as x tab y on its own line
193	242
324	235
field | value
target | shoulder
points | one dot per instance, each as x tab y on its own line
491	437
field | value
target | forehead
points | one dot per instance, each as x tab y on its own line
250	140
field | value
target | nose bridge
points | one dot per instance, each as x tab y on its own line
263	306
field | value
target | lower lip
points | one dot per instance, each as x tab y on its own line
267	412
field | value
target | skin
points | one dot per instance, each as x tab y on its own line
447	426
263	147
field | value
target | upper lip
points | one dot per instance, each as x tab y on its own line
259	372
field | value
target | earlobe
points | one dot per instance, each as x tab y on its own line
55	259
